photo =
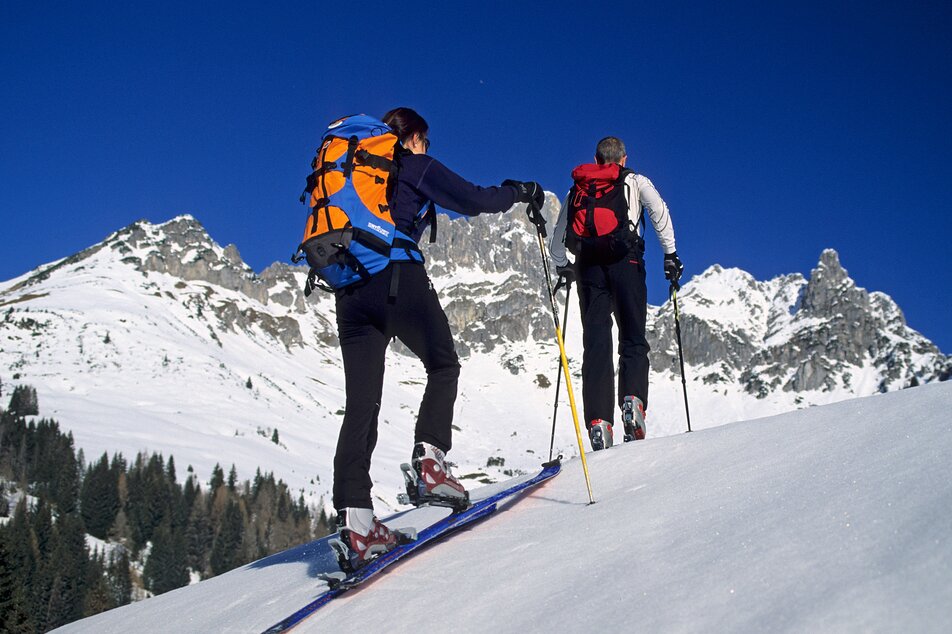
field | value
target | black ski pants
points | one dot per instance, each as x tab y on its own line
605	290
367	319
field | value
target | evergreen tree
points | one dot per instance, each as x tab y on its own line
42	525
218	478
65	491
20	618
67	595
98	595
8	578
100	498
170	471
23	402
274	437
21	544
227	548
150	498
166	567
120	578
199	535
190	492
232	478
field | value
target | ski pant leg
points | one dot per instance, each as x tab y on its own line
363	345
598	368
630	293
419	322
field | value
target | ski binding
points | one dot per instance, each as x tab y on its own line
417	496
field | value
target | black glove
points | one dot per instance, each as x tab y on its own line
567	273
528	192
672	267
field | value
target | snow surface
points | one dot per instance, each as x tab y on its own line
833	518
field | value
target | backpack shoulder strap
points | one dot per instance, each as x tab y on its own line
623	175
569	201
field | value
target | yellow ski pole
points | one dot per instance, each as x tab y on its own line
535	216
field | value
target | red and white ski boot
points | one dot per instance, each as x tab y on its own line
633	415
601	435
429	480
361	537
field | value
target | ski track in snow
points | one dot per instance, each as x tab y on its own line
834	518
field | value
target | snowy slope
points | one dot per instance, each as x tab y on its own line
833	518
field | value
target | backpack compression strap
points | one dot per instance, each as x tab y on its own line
348	166
376	162
590	211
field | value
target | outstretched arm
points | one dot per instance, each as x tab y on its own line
451	191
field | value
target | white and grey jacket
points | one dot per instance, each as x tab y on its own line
642	196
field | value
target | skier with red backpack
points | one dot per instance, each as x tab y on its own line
602	223
371	198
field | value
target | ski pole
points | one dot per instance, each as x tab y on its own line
558	380
673	291
536	218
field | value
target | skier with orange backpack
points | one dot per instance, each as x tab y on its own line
602	223
371	198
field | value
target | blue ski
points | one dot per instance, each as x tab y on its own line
476	511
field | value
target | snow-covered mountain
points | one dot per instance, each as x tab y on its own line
159	339
748	527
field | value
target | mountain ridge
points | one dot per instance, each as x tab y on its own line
150	339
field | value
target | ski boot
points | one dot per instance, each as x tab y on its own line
361	537
429	480
601	434
633	416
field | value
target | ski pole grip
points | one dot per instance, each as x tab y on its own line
536	218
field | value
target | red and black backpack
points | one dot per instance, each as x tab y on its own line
599	226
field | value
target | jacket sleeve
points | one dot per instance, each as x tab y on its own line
557	241
451	191
643	196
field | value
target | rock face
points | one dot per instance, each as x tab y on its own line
489	272
795	335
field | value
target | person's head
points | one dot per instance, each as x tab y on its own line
410	128
610	150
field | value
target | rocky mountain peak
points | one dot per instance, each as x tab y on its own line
830	290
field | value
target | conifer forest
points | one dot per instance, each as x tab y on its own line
79	538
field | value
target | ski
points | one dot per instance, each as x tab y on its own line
338	583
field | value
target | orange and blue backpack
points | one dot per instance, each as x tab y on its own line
350	233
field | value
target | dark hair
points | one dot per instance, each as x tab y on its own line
610	150
406	123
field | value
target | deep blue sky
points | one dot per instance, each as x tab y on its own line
772	131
